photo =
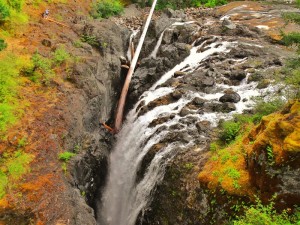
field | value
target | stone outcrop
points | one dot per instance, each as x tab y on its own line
273	156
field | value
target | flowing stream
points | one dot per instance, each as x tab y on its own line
125	196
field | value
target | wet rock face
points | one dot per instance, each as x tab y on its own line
98	83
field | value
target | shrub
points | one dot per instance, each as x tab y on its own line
90	39
41	69
66	156
230	130
213	3
107	8
260	214
16	4
3	45
4	10
61	55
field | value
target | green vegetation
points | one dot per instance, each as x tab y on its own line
16	4
11	67
290	16
41	69
270	155
60	56
3	44
4	10
230	130
13	167
189	166
263	108
107	8
66	156
260	214
177	4
292	38
91	40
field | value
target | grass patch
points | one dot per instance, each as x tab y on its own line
13	167
291	17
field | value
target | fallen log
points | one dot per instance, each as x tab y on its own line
121	104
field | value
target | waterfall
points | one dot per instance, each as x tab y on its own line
125	196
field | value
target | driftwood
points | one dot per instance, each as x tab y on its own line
121	104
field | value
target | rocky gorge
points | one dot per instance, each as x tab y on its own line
198	68
233	62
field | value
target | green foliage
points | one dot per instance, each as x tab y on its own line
298	3
22	142
293	17
41	69
66	156
77	44
12	167
3	183
60	56
260	214
233	173
91	40
16	4
213	3
263	108
189	166
213	146
10	67
7	115
179	4
230	130
3	45
107	8
4	10
292	38
270	155
17	164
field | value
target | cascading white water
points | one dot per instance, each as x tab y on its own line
124	198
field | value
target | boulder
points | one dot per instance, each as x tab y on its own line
230	97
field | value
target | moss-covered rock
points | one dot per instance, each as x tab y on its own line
273	155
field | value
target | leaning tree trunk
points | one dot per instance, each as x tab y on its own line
121	104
